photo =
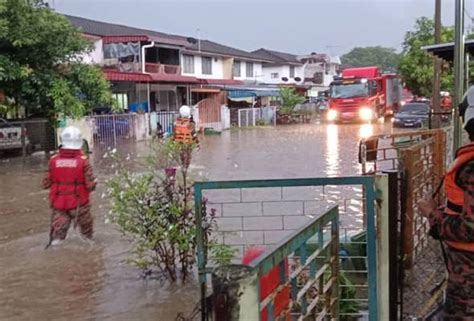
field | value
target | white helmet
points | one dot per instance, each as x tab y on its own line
185	111
71	138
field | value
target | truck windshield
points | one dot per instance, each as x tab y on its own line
349	90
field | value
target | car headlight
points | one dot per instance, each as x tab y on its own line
332	115
365	113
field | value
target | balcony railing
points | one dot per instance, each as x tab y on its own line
153	68
157	68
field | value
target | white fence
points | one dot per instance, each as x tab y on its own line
222	122
114	129
165	120
257	116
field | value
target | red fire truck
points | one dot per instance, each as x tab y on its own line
364	94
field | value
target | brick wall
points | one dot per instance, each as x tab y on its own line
265	216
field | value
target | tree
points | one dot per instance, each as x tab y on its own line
416	65
385	58
289	99
41	68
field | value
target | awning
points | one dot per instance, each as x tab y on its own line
234	94
173	78
114	75
206	90
124	38
445	51
167	40
221	82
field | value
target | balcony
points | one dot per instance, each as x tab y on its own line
158	68
152	68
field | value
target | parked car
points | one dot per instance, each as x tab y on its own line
412	115
11	136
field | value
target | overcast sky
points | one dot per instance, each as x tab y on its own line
295	26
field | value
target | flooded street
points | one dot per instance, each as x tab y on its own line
79	281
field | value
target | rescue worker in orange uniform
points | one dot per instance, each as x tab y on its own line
455	223
70	180
184	127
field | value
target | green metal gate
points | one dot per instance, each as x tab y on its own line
309	245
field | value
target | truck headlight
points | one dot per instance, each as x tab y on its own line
332	114
365	113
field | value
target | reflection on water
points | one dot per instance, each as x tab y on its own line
76	283
332	150
366	130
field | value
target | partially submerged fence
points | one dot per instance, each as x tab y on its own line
113	129
269	211
257	116
163	121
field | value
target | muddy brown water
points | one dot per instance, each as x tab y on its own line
80	281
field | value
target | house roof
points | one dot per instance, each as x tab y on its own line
445	51
214	47
112	32
106	29
277	57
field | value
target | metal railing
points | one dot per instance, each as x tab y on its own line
313	276
113	129
357	234
158	68
257	116
164	119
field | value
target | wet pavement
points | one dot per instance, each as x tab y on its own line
79	281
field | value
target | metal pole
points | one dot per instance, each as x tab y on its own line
437	67
458	70
149	107
466	79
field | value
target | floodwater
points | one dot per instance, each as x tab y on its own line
80	281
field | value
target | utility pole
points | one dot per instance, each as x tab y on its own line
437	66
458	71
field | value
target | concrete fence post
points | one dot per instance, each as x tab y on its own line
382	234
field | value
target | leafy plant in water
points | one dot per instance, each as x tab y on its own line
289	99
347	292
222	254
155	209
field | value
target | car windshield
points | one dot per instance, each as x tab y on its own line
349	90
415	108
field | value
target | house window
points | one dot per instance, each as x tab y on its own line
275	75
236	70
206	65
121	99
249	70
188	64
292	71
